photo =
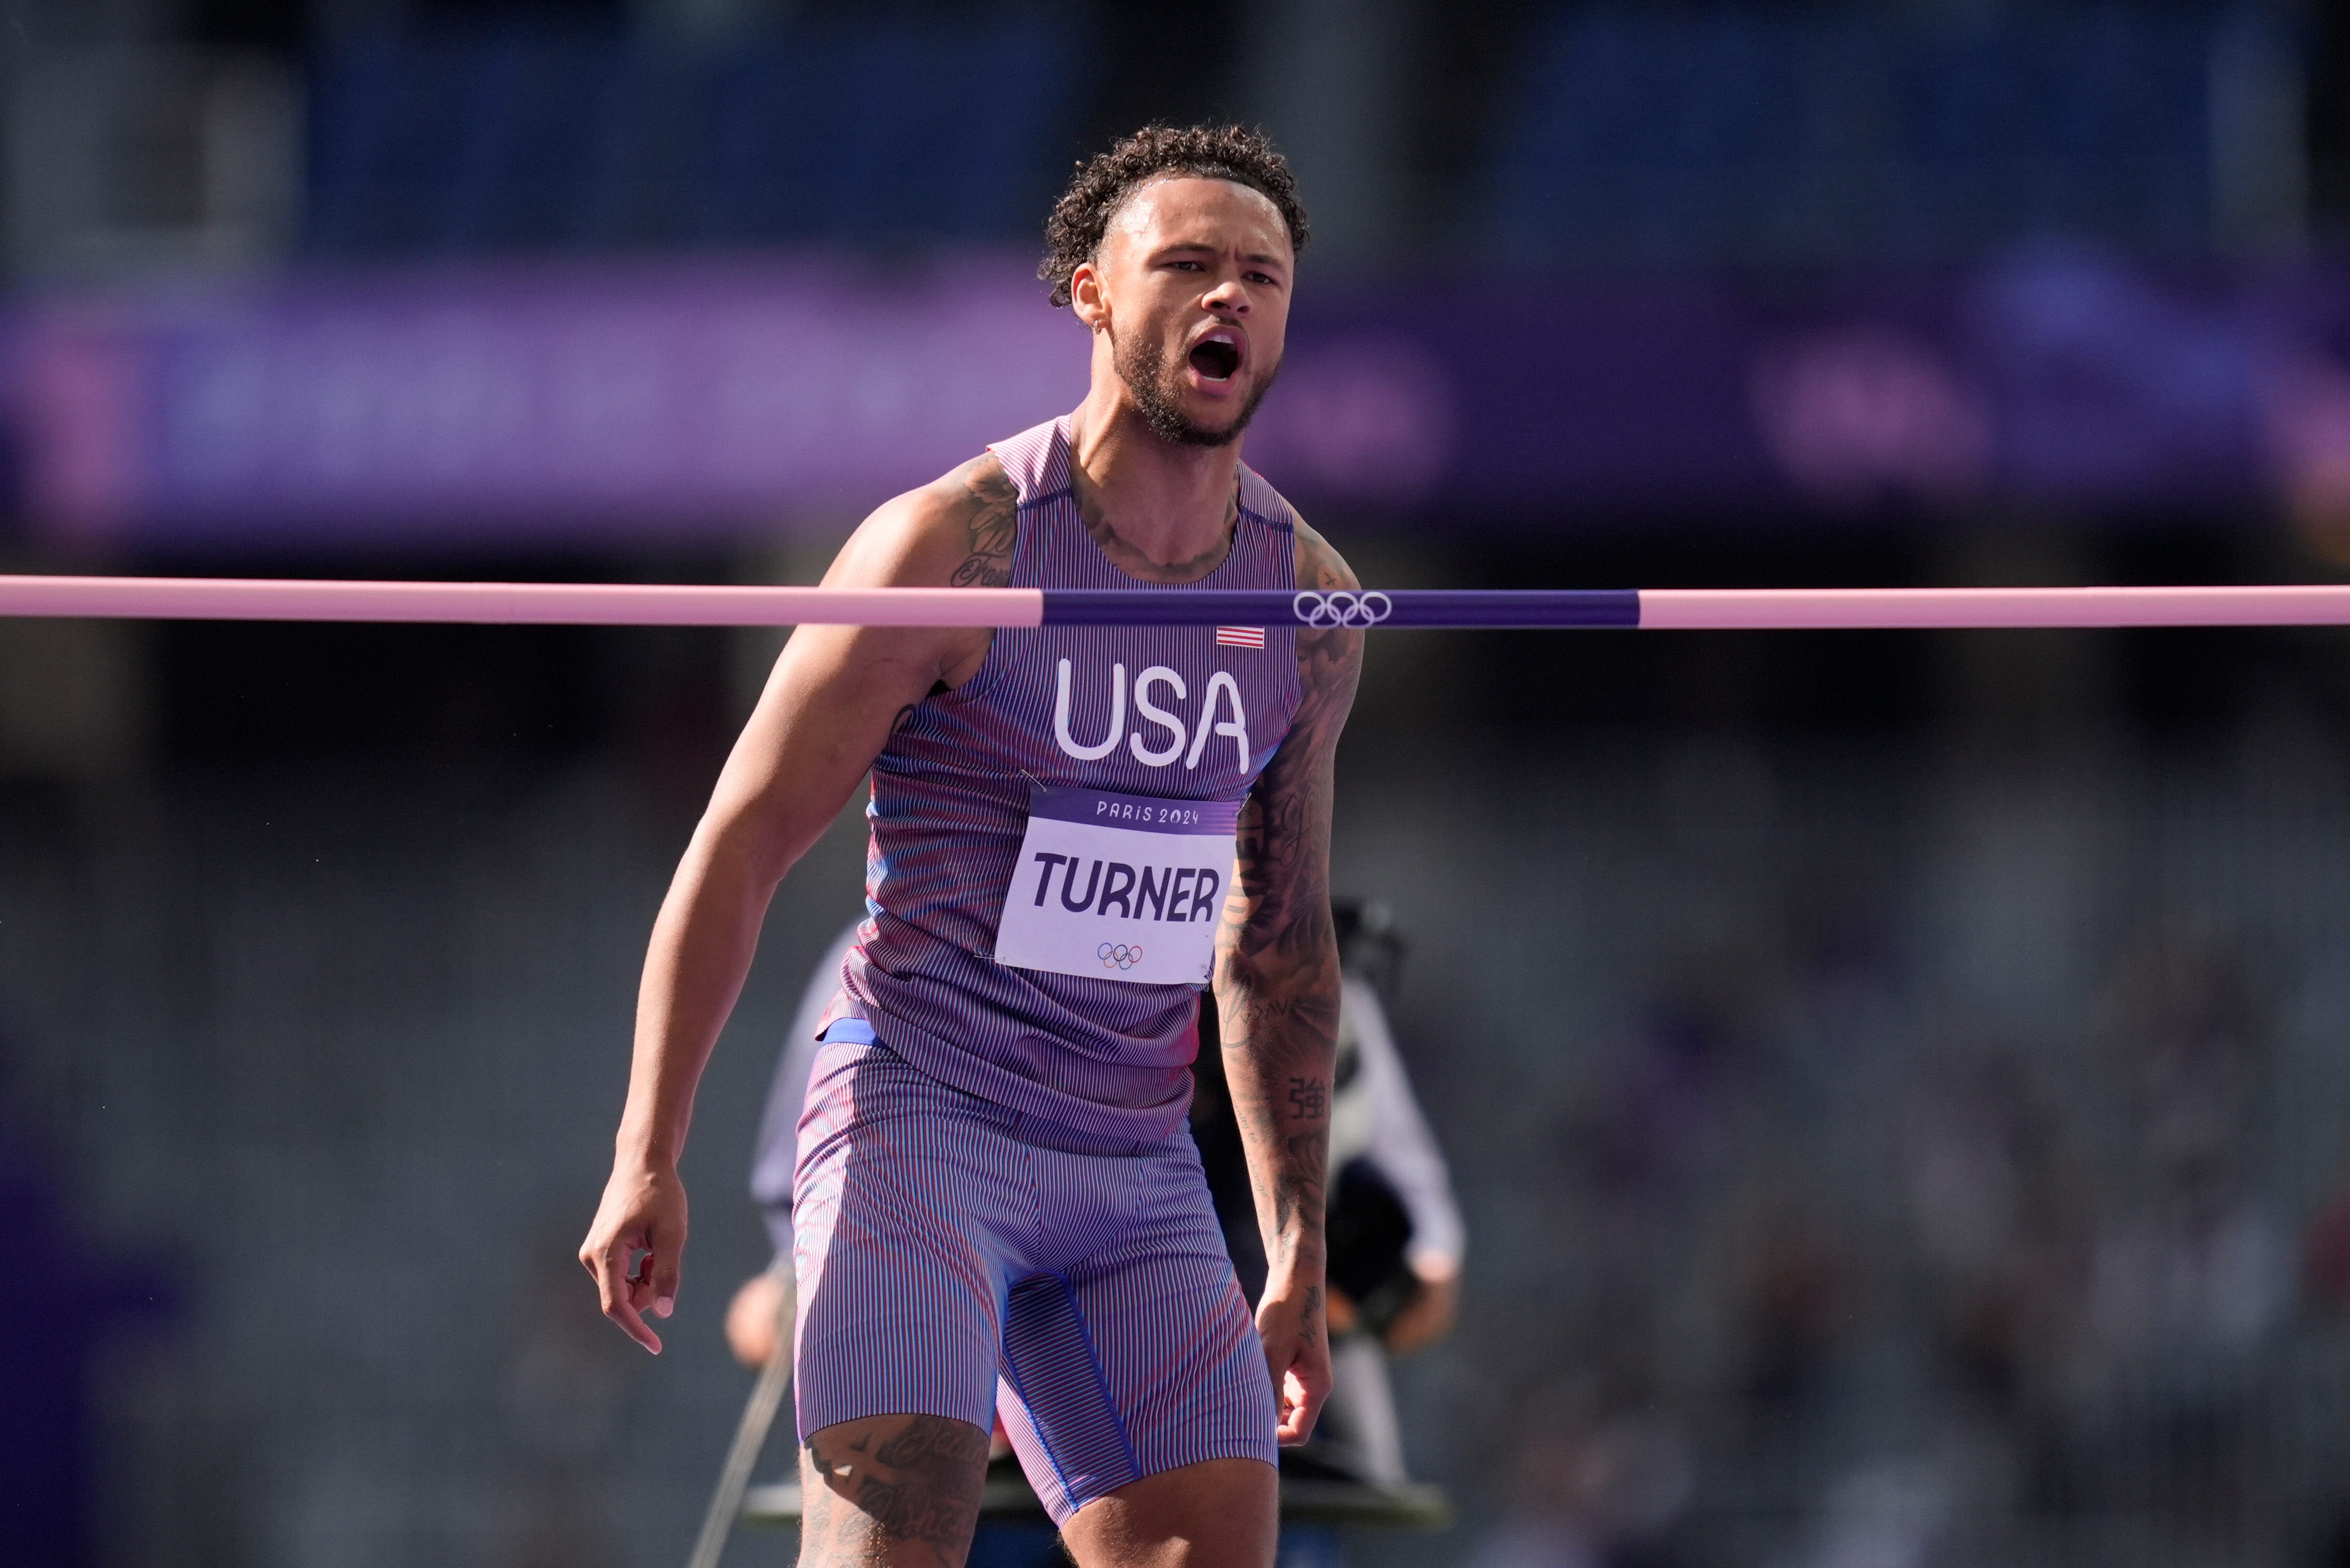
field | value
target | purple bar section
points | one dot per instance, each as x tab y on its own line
1143	813
1171	607
1500	610
663	400
1486	609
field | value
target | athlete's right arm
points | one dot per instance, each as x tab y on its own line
826	711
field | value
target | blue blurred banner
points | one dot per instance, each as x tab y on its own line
661	401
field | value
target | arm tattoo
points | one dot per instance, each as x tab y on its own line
993	516
1277	955
906	1478
1309	1098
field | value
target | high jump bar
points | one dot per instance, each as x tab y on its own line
1650	609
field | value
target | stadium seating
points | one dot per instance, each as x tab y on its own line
1701	136
529	136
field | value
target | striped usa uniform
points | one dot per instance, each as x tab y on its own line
997	1206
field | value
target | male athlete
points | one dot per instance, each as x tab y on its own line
998	1206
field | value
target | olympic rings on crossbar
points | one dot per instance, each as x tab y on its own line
1341	608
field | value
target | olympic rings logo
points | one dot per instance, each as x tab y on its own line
1341	608
1117	955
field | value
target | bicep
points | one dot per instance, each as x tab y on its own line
834	696
824	717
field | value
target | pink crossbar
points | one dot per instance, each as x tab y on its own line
1774	610
571	603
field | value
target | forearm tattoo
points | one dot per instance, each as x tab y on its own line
1309	1098
1277	955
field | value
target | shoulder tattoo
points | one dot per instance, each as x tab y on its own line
1330	660
991	514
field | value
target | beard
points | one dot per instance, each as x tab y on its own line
1159	394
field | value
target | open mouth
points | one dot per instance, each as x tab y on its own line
1216	359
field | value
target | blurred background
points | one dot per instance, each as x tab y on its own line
1897	1083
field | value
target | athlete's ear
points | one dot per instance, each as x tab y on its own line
1087	297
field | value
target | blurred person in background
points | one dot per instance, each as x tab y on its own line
753	1318
998	1205
1999	1215
1396	1231
2189	1273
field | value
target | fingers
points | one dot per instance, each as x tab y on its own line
1300	1388
652	1288
1291	1326
1292	1427
663	1268
609	1265
1301	1408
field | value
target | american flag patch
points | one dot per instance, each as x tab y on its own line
1240	637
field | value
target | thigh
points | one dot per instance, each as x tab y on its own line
899	1219
891	1492
1140	1358
1221	1512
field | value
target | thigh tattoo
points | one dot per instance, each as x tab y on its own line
897	1490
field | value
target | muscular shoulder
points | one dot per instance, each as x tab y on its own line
1319	564
958	531
1330	659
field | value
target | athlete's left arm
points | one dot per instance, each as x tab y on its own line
1277	998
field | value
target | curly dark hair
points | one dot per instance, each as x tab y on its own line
1073	234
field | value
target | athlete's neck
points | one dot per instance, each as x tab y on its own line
1160	511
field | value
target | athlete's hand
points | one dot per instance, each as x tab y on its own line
643	1211
1289	1320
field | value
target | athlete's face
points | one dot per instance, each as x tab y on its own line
1191	290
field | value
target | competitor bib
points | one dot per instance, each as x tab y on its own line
1119	886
